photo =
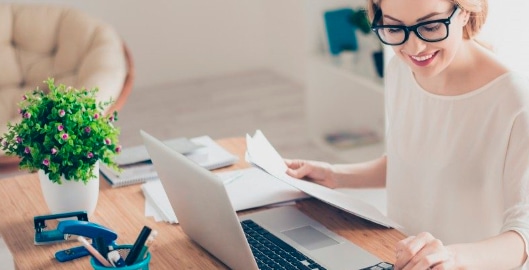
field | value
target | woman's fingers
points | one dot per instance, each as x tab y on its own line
420	252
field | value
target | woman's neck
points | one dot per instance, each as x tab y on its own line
456	78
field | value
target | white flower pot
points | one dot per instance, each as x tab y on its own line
70	196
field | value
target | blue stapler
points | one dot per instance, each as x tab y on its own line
45	236
85	229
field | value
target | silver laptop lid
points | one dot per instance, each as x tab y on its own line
201	203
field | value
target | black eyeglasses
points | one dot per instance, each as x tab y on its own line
429	31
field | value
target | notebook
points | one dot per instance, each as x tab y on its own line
136	166
206	215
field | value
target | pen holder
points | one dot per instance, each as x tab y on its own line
124	251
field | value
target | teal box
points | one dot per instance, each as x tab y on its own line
340	30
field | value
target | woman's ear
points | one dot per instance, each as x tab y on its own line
465	15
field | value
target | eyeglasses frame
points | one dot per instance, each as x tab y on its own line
413	28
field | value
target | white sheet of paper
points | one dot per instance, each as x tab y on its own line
246	188
6	259
263	155
156	196
254	188
152	211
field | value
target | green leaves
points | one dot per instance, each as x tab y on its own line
65	131
360	20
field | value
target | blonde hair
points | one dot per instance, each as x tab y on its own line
478	10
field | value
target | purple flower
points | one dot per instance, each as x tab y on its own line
108	141
53	151
62	113
19	139
20	111
111	118
24	97
27	115
27	150
64	136
96	116
87	129
90	155
60	127
46	162
118	149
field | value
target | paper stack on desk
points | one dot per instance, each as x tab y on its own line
263	155
6	259
247	188
137	168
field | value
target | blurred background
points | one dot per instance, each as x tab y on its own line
224	68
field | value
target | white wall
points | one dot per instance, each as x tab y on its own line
286	31
174	40
506	31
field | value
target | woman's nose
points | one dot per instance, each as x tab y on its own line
414	45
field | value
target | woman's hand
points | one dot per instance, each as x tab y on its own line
423	252
315	171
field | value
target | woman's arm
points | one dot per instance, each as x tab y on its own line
360	175
505	251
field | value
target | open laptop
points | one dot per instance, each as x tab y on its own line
205	213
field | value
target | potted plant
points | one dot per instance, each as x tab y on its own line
63	135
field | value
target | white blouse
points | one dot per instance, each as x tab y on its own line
458	166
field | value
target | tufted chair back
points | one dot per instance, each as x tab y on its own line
38	41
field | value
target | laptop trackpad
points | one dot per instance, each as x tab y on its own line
310	238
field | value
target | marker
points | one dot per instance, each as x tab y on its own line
100	246
138	245
146	246
94	252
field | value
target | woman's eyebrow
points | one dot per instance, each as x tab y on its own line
418	20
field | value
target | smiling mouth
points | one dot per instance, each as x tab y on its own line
422	58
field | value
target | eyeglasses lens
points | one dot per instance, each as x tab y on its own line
429	32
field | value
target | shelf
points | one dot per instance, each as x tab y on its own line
344	92
361	70
358	65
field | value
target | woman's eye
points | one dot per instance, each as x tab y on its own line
432	27
394	30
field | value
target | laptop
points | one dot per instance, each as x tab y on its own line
205	213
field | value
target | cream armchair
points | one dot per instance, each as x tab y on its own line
38	41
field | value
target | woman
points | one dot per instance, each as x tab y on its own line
456	166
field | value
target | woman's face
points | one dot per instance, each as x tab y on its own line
426	59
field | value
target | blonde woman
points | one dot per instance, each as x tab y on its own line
456	166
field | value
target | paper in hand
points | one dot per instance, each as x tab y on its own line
263	155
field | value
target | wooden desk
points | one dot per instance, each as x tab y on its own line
122	209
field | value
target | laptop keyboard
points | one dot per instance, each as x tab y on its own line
271	252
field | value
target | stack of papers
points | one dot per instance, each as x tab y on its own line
136	166
6	259
247	188
263	155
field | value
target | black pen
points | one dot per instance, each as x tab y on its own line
138	245
100	246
